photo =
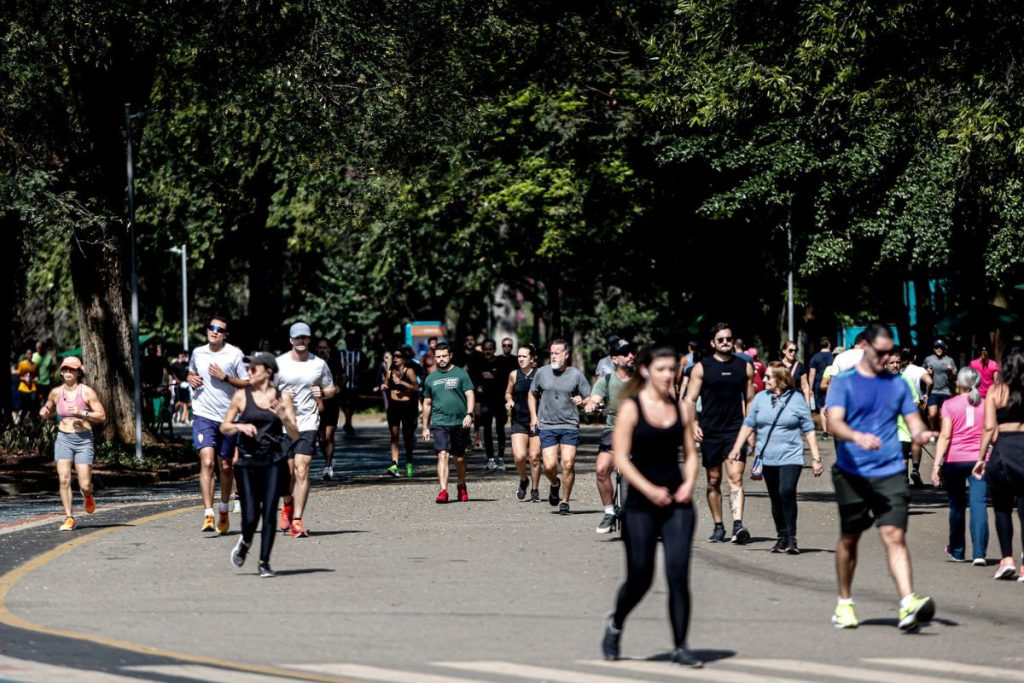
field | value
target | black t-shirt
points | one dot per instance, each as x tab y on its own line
722	395
179	369
818	362
488	374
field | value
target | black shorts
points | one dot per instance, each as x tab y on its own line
520	428
606	441
304	445
715	451
907	449
862	500
450	439
332	410
819	400
403	412
182	394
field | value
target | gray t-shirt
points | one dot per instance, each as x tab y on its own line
609	388
943	372
555	409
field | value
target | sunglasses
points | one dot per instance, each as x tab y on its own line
884	353
506	346
723	339
217	328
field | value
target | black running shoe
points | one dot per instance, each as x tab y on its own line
740	535
239	553
791	547
553	493
534	496
610	642
521	491
266	572
780	545
915	478
684	657
563	508
718	535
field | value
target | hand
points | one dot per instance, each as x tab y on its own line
384	387
936	481
44	413
924	437
589	408
868	442
817	467
195	381
533	427
246	428
216	372
979	470
234	458
426	434
317	391
277	407
684	494
577	401
467	422
659	495
509	405
734	454
698	433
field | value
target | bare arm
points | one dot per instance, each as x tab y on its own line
467	421
945	436
426	418
50	407
689	403
285	409
228	426
97	413
509	388
750	388
622	445
531	400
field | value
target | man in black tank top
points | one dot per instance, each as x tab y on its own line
724	384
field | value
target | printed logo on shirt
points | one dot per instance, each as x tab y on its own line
452	383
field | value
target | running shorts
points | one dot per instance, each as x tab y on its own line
206	434
606	442
74	446
863	500
937	400
402	411
304	445
332	410
520	428
452	440
715	450
555	437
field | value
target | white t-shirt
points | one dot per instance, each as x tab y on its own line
914	373
299	377
212	399
847	360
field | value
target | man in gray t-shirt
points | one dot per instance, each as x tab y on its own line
943	371
555	396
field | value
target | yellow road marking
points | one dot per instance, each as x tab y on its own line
11	578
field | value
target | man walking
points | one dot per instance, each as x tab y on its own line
215	370
557	392
448	401
724	383
870	475
815	371
490	375
608	390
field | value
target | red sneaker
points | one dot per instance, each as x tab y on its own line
463	493
442	497
297	530
285	523
90	504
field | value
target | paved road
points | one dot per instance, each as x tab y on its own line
392	587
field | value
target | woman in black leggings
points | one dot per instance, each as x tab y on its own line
261	464
650	427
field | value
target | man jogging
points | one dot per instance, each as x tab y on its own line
608	390
870	474
448	401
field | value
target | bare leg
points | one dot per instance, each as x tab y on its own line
64	479
442	469
734	470
550	456
568	471
287	500
520	452
899	558
604	478
327	444
84	473
535	462
846	563
460	469
714	493
394	444
206	462
300	494
227	479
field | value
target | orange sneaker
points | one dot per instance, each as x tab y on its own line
223	523
68	525
90	504
297	531
285	523
208	523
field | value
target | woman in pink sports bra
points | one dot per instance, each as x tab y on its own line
79	409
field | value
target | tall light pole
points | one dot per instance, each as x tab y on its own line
789	301
136	355
184	292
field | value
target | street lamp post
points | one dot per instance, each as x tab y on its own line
184	292
136	355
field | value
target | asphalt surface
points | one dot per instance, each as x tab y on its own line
391	586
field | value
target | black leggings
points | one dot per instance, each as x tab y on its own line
640	530
781	483
259	491
1006	486
498	414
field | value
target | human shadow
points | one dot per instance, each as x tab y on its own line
555	511
311	570
706	656
337	532
112	525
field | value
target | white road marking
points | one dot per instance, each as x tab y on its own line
848	673
26	671
945	666
373	673
540	673
708	673
212	674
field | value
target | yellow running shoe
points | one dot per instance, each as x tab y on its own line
223	522
844	616
68	525
90	504
918	611
208	524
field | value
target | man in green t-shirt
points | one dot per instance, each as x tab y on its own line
609	390
448	401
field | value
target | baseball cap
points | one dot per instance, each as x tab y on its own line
263	358
939	344
621	347
73	362
612	338
300	330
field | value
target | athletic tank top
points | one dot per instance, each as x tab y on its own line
64	406
722	394
656	452
404	394
266	446
520	397
1010	413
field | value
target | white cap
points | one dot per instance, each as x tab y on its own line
299	330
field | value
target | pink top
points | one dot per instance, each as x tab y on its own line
968	422
63	405
987	373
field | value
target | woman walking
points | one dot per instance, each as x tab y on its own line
649	431
525	443
963	419
401	388
1004	472
79	409
264	415
780	416
796	370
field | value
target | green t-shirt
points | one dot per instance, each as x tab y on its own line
447	394
610	389
45	364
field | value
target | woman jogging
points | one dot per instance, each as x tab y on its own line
401	388
963	419
1004	426
987	368
261	463
525	443
79	409
649	431
780	416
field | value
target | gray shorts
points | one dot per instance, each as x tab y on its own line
75	446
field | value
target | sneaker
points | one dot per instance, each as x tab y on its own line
521	491
393	470
553	493
718	535
238	554
740	535
501	464
918	611
1006	569
238	507
223	522
463	493
285	522
844	616
90	504
534	496
610	642
915	478
266	572
68	525
684	657
297	530
442	497
607	522
209	524
980	562
955	555
491	464
780	545
328	473
408	470
792	548
349	431
563	508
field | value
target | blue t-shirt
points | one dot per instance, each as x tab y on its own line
872	405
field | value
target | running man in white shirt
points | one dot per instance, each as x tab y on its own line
215	370
309	380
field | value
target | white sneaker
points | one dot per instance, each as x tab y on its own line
238	507
501	464
328	473
491	465
979	562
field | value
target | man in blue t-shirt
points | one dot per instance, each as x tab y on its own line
870	476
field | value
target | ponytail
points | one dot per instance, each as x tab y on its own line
968	380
